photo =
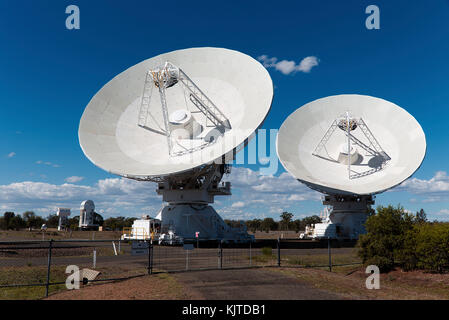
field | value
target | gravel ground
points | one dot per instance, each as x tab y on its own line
242	284
156	287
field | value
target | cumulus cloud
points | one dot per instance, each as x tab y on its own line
238	204
287	67
254	195
48	163
11	154
74	179
117	196
433	190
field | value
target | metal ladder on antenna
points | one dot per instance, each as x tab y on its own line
326	137
145	102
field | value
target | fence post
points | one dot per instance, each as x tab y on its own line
250	253
279	251
94	258
48	267
150	258
329	253
221	254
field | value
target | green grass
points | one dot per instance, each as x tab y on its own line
28	275
38	275
310	260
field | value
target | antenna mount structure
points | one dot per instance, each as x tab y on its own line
178	119
168	76
349	155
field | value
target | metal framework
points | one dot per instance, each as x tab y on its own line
373	148
164	78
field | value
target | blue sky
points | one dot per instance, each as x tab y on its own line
49	74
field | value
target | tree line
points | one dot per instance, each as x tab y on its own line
285	223
29	220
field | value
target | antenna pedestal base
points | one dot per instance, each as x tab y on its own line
187	219
347	217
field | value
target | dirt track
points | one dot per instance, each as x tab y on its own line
250	284
240	284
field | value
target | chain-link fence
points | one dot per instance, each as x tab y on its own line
35	269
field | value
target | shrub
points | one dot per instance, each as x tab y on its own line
395	237
267	251
432	246
386	233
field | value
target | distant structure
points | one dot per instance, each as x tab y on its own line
63	214
87	215
142	229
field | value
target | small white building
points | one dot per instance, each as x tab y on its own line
87	215
63	214
142	229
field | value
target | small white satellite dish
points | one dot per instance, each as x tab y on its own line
351	147
177	119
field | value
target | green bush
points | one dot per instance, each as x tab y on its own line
267	251
432	246
395	237
385	237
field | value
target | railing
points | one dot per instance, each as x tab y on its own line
42	263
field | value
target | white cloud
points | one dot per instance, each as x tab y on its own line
443	212
287	67
238	204
48	163
254	195
11	154
433	190
117	196
74	179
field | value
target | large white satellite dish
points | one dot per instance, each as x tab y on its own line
386	146
177	119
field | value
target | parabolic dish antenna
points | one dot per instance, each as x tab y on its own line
351	147
177	119
211	100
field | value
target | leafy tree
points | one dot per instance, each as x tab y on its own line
98	219
52	221
432	246
16	223
118	223
286	218
296	225
31	220
74	222
268	224
387	233
254	225
307	221
421	216
7	216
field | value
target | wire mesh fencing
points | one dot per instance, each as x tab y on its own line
35	269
